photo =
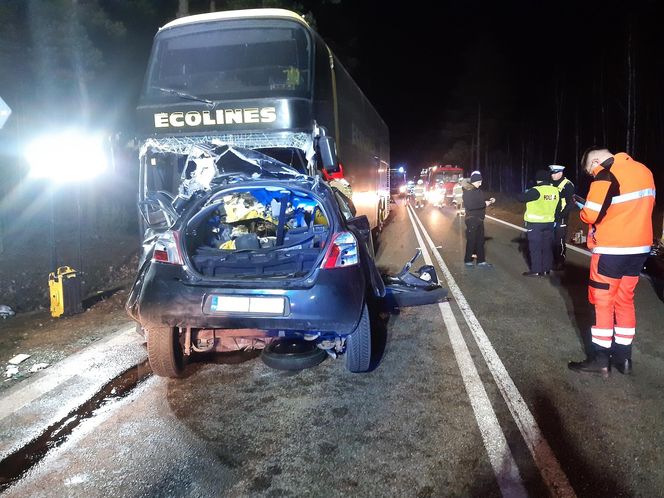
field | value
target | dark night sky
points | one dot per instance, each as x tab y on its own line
426	68
429	67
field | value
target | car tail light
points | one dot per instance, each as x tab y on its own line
167	249
341	252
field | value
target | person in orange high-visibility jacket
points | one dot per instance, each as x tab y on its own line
618	211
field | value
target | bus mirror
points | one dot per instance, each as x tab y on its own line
328	153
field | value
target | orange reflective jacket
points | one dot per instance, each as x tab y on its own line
619	207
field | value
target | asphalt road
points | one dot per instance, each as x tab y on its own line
470	398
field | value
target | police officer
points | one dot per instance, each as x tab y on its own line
542	208
567	190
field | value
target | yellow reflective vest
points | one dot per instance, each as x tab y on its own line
543	209
561	186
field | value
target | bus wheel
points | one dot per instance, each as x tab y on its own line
381	221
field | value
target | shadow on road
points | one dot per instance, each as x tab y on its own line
522	244
588	479
654	272
379	319
572	284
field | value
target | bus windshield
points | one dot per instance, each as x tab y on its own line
231	59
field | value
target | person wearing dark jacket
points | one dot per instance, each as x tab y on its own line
567	191
542	208
475	203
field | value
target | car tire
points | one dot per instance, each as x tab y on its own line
165	352
358	345
292	354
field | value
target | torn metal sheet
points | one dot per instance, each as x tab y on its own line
184	144
199	172
208	165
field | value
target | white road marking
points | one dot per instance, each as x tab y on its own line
573	248
76	364
542	454
500	456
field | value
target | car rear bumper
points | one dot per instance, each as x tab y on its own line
332	305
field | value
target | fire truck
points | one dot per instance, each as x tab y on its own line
440	181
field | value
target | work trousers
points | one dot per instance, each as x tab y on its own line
613	279
540	246
559	248
474	239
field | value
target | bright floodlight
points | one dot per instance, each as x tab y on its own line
400	169
67	157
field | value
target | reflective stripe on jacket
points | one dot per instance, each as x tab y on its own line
543	209
619	207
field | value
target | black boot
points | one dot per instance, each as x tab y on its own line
623	366
598	364
621	358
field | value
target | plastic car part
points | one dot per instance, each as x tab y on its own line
409	289
292	354
165	352
358	345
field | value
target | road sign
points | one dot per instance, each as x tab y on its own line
5	112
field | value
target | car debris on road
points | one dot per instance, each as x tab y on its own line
6	311
19	358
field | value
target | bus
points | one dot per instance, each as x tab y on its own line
261	79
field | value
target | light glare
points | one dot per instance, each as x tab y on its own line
67	157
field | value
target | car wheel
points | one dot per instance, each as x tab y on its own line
165	352
358	345
292	354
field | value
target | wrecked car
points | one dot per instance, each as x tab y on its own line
256	236
253	254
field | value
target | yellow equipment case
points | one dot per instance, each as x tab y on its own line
64	287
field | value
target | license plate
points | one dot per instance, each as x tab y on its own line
250	305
